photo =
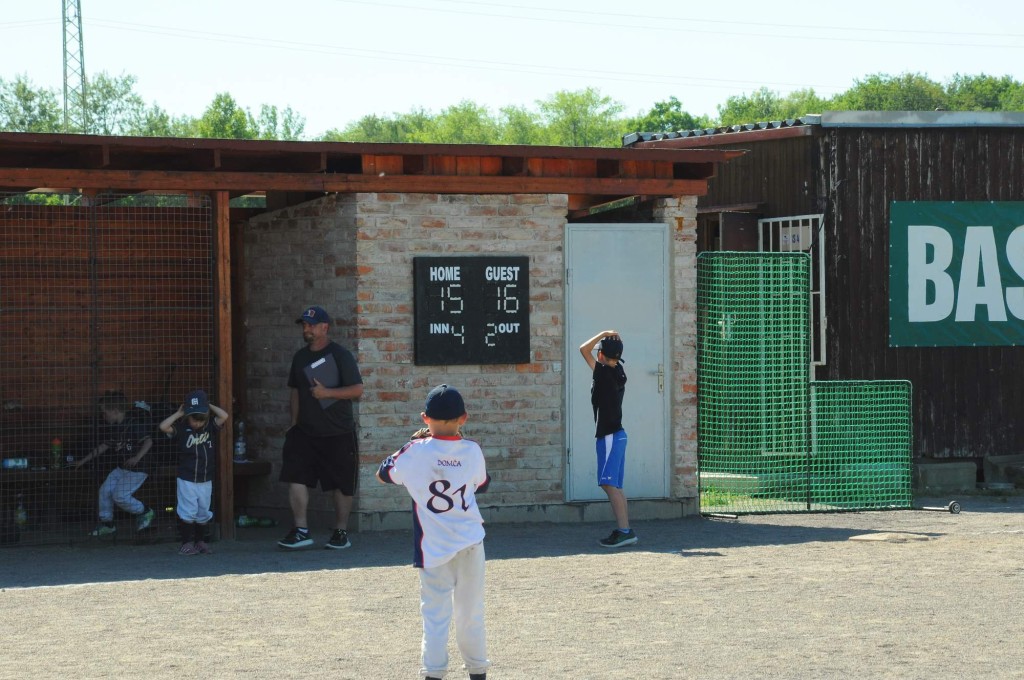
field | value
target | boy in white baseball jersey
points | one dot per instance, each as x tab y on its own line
443	473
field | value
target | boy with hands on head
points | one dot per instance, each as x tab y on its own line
607	389
195	441
443	472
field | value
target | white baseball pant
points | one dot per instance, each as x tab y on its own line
457	585
119	487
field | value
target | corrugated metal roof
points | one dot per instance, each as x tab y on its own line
865	119
636	137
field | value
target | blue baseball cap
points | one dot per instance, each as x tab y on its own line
314	315
444	403
197	402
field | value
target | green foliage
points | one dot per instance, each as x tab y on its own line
667	116
225	119
581	118
113	106
570	118
39	199
519	125
766	105
23	108
881	92
985	93
801	103
1013	100
464	123
285	125
401	127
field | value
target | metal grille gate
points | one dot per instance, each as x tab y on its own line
770	439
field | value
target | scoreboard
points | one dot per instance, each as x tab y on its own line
472	310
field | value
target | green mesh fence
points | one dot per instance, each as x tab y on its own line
769	439
861	433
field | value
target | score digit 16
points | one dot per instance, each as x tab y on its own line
506	299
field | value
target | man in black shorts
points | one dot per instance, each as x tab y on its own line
321	445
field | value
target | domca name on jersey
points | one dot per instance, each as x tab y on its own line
448	463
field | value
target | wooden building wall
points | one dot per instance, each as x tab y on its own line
967	400
771	176
96	298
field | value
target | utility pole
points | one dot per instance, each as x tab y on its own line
76	114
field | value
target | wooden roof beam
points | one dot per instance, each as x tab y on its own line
348	183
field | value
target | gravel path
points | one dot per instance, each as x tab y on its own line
784	596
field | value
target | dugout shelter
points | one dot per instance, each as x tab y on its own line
156	266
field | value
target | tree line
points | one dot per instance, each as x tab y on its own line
584	117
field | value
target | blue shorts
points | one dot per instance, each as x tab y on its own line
611	459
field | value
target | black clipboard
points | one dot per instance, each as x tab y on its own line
325	371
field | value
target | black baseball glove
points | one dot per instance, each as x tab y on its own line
421	433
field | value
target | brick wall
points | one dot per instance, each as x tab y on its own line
681	216
294	258
352	254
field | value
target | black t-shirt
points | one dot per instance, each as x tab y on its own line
606	393
124	440
327	417
197	450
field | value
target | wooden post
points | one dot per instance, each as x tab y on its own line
224	362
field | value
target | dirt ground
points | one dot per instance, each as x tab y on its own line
784	596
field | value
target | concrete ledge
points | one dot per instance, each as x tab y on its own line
1003	469
945	477
596	511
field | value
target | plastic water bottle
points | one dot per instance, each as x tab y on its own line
56	454
20	515
240	442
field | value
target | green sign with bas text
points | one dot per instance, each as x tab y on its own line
956	273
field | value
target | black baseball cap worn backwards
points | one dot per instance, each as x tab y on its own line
611	347
197	403
314	315
444	403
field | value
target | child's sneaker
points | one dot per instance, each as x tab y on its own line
103	530
202	548
339	540
296	539
145	520
188	549
619	539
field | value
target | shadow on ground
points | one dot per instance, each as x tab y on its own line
256	551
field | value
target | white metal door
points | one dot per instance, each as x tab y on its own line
617	278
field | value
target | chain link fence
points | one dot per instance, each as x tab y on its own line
106	322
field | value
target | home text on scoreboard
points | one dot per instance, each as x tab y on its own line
472	310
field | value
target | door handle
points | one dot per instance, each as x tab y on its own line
661	377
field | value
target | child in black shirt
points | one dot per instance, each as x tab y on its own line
195	441
606	393
126	439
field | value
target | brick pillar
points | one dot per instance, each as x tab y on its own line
681	215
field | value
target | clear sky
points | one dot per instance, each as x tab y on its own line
334	61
